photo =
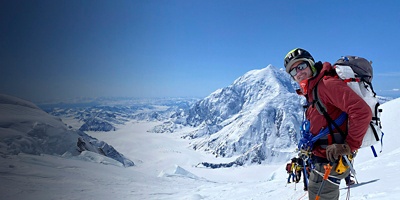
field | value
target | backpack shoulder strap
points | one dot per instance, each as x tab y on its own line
323	111
316	101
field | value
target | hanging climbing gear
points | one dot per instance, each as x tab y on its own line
342	166
307	141
305	172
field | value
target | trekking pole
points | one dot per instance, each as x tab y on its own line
328	168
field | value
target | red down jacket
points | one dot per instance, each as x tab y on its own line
337	97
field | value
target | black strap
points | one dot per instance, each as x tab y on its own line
373	130
322	110
366	84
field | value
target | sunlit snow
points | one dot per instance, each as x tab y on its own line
165	168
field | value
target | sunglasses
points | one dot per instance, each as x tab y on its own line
301	66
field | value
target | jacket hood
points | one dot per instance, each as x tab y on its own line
322	70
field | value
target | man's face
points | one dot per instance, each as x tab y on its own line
302	71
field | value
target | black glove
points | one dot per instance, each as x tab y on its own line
333	151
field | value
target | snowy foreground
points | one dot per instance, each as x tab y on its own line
165	169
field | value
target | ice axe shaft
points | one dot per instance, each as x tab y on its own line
328	168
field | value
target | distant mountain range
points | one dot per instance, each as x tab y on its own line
104	113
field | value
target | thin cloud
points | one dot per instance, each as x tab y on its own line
391	90
388	74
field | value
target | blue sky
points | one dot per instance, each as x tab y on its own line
182	48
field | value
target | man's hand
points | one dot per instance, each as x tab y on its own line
333	151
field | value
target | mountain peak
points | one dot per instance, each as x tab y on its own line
259	112
269	78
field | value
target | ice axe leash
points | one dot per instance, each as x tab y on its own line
352	170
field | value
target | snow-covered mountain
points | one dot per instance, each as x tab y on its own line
25	128
256	118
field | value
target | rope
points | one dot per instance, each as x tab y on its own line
303	195
328	178
348	193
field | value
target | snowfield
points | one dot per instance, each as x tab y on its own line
165	168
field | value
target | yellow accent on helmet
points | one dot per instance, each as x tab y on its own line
295	55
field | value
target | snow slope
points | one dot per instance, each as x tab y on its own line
165	168
25	128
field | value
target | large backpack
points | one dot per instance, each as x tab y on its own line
357	73
289	168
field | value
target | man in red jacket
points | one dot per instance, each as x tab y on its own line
337	97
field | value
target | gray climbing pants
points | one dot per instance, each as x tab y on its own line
330	191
